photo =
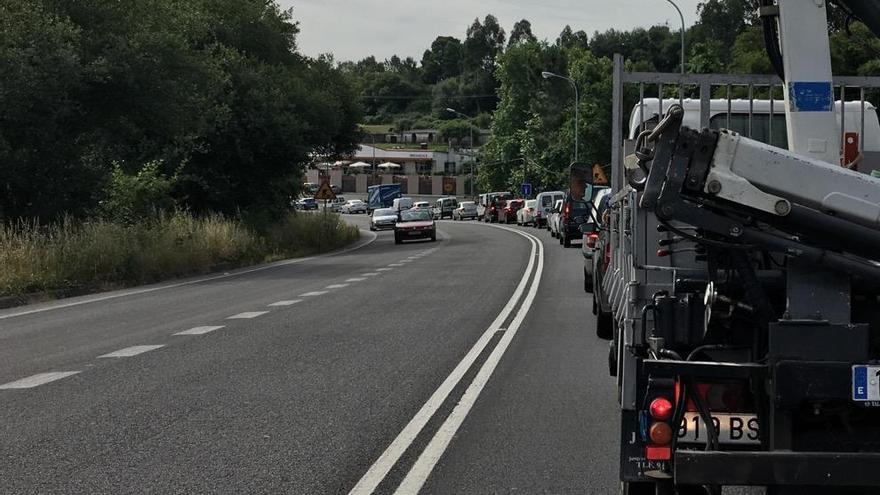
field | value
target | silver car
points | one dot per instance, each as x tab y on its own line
383	219
353	206
466	209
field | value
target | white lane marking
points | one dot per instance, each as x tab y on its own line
134	292
418	475
405	438
372	274
314	293
37	380
131	351
286	303
247	315
199	330
405	261
337	286
355	280
384	269
395	264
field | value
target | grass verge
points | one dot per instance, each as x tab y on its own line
78	257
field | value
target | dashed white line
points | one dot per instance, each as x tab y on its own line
337	286
286	303
247	315
395	264
355	280
37	380
384	269
131	351
314	293
372	274
199	330
405	261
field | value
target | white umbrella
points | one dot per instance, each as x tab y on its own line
324	166
389	166
360	165
340	163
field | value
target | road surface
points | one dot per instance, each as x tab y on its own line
462	366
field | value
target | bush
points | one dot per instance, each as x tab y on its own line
102	254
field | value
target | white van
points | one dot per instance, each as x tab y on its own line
544	206
401	204
444	207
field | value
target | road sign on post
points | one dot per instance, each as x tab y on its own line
325	192
526	189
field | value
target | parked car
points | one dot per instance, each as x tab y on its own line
526	214
415	224
466	209
590	232
553	220
353	206
600	261
336	204
572	214
383	219
423	205
487	206
444	207
306	204
544	207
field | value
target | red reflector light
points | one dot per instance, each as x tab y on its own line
660	433
661	409
658	453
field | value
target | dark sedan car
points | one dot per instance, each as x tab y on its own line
306	204
415	224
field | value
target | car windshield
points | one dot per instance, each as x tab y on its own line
385	212
546	200
467	204
415	215
530	203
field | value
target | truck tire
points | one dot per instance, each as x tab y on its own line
566	241
633	488
604	328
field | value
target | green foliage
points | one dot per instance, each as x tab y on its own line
456	129
212	89
142	196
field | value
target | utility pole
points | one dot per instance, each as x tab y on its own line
470	142
577	111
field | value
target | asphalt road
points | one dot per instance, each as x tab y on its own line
462	366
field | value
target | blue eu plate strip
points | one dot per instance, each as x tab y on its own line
811	96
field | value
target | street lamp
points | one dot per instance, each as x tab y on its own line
682	33
471	142
577	111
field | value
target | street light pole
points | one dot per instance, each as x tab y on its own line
682	33
577	106
471	142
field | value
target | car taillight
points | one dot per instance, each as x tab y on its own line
566	212
592	239
493	208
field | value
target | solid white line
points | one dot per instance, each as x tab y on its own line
405	261
134	292
37	380
395	264
131	351
247	315
337	286
418	475
286	303
199	330
405	438
314	293
355	280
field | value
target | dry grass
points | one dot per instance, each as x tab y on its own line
98	254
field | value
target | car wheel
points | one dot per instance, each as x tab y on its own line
434	238
588	286
397	240
566	242
604	327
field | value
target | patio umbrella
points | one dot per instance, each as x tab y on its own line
360	166
389	166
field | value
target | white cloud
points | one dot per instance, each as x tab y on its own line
353	29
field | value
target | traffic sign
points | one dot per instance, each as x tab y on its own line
527	189
599	177
325	192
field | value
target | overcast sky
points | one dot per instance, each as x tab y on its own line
354	29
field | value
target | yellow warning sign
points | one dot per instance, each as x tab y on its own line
599	177
325	192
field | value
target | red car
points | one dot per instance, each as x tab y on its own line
507	213
415	224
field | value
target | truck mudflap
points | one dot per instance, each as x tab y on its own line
824	469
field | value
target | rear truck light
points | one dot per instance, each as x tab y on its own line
591	240
661	409
662	253
660	433
658	453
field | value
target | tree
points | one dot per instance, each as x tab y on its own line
443	60
570	39
521	33
483	44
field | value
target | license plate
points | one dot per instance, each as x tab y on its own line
415	233
866	383
739	429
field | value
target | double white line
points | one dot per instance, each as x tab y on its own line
423	466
